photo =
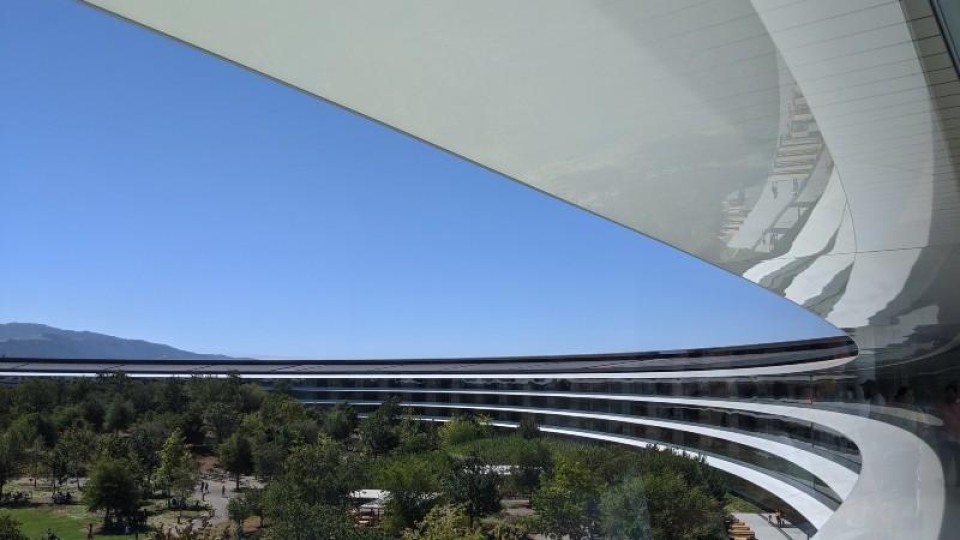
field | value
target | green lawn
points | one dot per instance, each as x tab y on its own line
737	504
68	522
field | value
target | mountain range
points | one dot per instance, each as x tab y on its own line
30	340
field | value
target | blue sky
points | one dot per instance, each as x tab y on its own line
151	191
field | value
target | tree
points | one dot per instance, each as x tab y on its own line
120	414
414	436
462	429
445	522
475	486
567	503
528	428
11	457
254	500
377	431
146	441
57	463
172	395
236	456
340	421
268	458
10	528
76	448
93	413
412	482
531	462
34	458
516	529
250	397
624	513
112	488
219	421
239	510
320	473
295	519
177	471
661	504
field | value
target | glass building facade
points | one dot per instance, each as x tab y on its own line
809	146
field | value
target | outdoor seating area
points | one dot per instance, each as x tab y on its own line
367	517
16	497
62	498
738	530
371	504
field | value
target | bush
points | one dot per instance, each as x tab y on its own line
660	505
462	429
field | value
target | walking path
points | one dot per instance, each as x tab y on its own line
764	530
221	489
216	498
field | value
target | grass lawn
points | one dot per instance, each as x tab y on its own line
68	522
737	504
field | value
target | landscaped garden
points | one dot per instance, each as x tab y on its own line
198	458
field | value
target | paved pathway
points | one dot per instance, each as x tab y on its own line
765	531
216	499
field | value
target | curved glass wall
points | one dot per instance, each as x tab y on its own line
810	147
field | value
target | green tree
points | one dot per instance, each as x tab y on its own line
113	445
238	509
567	503
624	513
414	436
531	461
120	414
93	412
378	431
528	428
146	441
445	522
292	518
173	395
34	458
340	421
254	500
219	421
10	528
112	488
57	465
268	458
475	486
676	509
177	471
251	396
413	483
517	529
236	456
12	457
462	429
320	473
76	446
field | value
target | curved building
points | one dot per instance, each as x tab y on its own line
806	145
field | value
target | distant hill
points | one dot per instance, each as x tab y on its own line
27	340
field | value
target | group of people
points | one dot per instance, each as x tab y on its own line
182	504
61	498
205	489
127	524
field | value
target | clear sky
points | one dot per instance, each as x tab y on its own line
151	191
